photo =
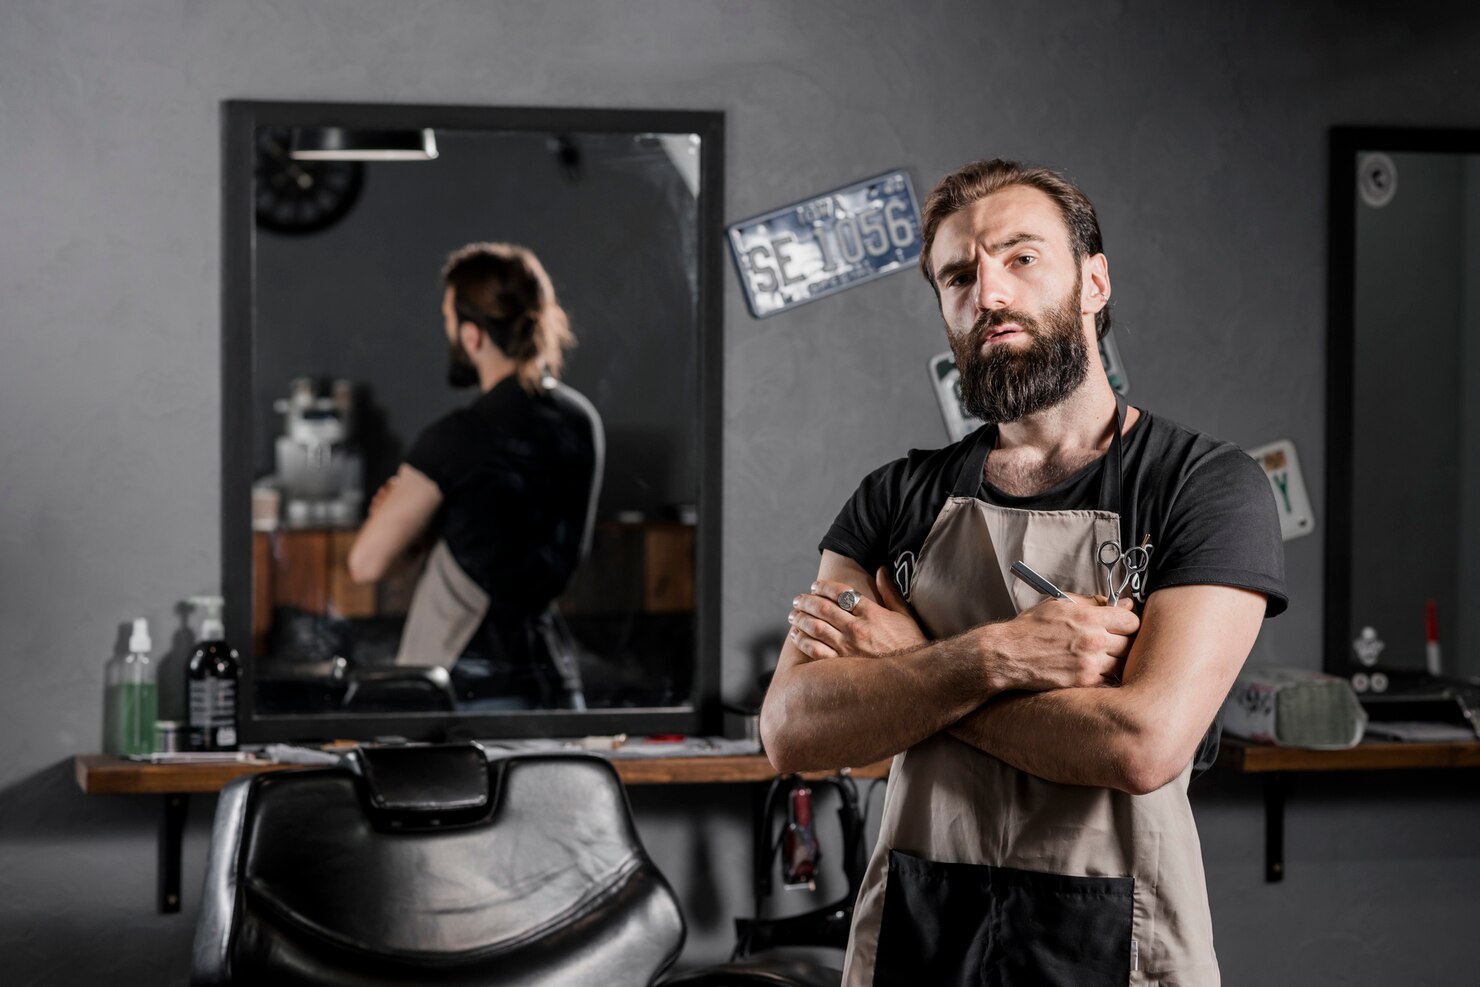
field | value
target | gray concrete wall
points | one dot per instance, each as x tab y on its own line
1200	134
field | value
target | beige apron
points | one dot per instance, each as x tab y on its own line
445	612
948	804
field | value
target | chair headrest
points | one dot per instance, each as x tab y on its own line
422	788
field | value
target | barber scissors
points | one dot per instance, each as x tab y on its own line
1123	568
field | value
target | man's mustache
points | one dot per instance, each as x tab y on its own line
989	322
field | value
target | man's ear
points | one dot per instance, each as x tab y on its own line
1095	276
470	336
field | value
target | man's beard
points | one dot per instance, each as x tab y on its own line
461	374
1008	381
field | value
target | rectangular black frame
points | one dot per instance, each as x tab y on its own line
239	121
1346	141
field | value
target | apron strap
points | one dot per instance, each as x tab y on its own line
969	480
1112	479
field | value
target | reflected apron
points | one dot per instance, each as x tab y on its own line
446	610
986	875
448	607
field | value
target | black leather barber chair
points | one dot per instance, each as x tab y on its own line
422	865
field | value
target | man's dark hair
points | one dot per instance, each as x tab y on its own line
973	182
503	289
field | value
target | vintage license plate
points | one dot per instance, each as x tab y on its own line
827	243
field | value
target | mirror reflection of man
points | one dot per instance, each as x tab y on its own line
505	486
1037	825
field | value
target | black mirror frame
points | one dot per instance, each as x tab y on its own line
240	120
1346	142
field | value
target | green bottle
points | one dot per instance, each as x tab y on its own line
131	697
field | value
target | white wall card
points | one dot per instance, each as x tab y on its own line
1287	483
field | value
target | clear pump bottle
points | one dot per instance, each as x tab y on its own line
210	682
131	697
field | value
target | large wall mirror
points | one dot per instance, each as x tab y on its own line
1403	539
337	221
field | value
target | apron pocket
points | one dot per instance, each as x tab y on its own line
974	924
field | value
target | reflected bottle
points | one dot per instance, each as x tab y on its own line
131	697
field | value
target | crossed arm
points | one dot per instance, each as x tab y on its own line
401	510
1035	691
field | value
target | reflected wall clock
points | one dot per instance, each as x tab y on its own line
300	196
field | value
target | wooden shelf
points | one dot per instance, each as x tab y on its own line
721	768
106	774
1248	757
1273	764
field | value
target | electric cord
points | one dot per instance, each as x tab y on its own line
852	824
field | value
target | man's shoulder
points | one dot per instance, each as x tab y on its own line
893	504
1167	433
1180	450
572	404
1218	518
454	424
1190	473
447	434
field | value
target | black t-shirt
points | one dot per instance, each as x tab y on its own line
515	472
1206	504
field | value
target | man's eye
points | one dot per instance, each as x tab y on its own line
958	280
1026	259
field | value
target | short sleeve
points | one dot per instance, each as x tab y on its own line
861	530
439	452
1223	528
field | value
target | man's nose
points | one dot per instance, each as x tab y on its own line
993	287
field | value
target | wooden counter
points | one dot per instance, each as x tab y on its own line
1253	758
107	774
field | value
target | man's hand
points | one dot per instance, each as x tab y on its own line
1058	644
1062	644
869	685
822	713
822	629
1142	735
381	495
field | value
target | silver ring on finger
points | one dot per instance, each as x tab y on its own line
848	599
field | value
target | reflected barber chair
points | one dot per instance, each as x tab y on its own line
399	689
433	864
336	684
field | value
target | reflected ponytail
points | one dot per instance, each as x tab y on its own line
504	289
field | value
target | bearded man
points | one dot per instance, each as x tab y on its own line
1036	828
